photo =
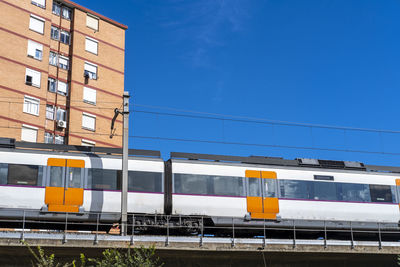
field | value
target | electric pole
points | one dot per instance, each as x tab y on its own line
125	144
125	150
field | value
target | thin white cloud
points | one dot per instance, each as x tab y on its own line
204	24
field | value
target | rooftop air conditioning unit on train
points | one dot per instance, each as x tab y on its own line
62	124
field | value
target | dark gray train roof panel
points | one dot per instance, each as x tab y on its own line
11	143
313	163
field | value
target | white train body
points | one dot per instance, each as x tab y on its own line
289	208
245	193
32	197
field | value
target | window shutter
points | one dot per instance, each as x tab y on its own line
89	95
91	45
35	76
63	60
41	3
91	68
88	121
88	143
62	87
31	105
92	22
28	133
36	24
32	47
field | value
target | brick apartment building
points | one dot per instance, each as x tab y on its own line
61	73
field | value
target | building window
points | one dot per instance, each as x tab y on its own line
88	121
56	9
50	112
48	138
35	50
64	37
88	143
32	77
36	24
63	62
55	33
62	88
59	139
28	133
61	114
90	71
89	95
66	13
53	59
91	45
31	105
92	22
52	85
39	3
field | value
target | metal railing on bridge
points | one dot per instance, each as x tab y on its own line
165	228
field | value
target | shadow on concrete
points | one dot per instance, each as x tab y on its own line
20	256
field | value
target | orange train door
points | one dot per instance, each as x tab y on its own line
262	198
398	189
64	191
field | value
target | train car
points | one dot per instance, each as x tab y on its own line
279	193
47	185
53	183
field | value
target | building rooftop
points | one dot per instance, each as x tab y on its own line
73	4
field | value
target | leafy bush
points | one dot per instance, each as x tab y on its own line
136	257
43	260
140	257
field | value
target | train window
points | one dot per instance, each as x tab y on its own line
191	184
56	176
254	187
353	192
144	181
3	173
270	187
324	191
227	186
104	179
22	174
74	177
380	193
393	188
296	189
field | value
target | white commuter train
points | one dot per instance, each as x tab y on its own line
46	185
226	190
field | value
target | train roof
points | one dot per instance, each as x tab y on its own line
7	144
10	144
277	161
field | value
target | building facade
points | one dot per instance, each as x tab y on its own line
61	73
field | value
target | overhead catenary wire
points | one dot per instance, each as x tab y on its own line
263	145
226	117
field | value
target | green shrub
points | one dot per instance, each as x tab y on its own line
43	260
136	257
143	257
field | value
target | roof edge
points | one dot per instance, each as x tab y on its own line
95	13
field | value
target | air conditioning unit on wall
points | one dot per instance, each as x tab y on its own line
62	124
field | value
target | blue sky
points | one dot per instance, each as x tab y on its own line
331	62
